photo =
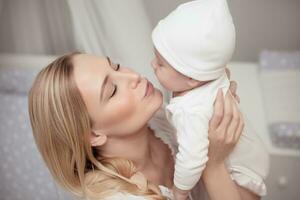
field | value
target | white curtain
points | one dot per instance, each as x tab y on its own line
35	27
117	28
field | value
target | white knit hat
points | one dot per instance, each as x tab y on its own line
197	39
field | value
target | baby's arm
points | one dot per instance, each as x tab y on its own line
192	137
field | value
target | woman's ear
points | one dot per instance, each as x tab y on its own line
97	138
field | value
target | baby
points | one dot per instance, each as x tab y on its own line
193	45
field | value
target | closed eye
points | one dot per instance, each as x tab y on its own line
115	86
118	67
160	64
114	92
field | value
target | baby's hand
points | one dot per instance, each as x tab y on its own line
180	194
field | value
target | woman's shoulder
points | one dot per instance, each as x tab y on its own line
124	196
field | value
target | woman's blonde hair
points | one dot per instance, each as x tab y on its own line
61	128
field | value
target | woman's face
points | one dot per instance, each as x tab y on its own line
119	101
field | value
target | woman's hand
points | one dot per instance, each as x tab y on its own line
225	127
233	86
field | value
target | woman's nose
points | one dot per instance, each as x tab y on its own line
135	79
132	77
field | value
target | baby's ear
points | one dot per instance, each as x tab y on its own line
97	138
193	83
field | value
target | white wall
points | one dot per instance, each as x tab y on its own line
260	24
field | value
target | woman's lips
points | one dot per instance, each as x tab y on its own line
149	88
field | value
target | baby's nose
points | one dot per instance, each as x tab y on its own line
154	64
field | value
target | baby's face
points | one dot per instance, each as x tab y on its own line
168	77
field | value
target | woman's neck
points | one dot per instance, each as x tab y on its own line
148	153
136	147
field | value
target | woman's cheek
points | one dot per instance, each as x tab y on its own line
121	109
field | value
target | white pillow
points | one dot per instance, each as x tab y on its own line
16	81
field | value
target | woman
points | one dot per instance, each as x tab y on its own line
90	120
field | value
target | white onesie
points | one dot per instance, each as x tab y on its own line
190	114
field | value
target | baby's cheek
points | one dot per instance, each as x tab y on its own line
162	78
165	81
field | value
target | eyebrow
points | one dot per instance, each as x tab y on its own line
104	81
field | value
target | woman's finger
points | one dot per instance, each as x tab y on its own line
227	112
240	128
231	131
218	110
233	87
227	72
237	98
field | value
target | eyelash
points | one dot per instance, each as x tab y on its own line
159	64
115	89
118	67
